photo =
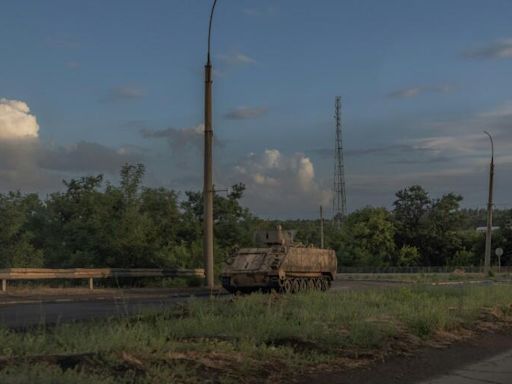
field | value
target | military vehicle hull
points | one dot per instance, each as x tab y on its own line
283	268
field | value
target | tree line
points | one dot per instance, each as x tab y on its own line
94	223
418	231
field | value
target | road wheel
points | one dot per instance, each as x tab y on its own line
324	284
311	284
303	285
286	286
318	284
295	286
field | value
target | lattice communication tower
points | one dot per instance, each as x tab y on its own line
339	203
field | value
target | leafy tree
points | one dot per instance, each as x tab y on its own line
18	220
233	224
432	226
131	180
93	223
408	256
368	239
125	226
503	237
410	211
462	257
78	222
442	238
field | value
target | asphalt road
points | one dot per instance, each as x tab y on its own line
29	311
496	370
22	310
484	359
23	315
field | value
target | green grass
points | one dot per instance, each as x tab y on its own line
422	278
246	337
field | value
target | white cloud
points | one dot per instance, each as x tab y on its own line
279	184
499	49
178	139
28	164
245	113
86	156
271	158
16	121
236	58
306	174
124	93
450	144
465	137
503	110
463	150
405	93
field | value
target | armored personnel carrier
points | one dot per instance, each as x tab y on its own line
278	263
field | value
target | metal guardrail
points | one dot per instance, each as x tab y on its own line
92	273
435	269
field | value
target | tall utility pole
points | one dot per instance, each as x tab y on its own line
208	178
339	204
488	235
321	227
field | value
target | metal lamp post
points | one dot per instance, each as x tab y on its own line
208	177
488	235
208	182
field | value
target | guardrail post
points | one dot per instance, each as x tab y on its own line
91	283
4	285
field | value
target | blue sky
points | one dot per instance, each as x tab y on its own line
112	81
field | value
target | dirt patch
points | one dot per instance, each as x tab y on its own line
299	345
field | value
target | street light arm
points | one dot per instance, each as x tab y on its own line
492	145
210	31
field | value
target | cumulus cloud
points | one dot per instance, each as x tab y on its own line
16	121
408	93
499	49
279	184
29	164
178	139
124	93
241	113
